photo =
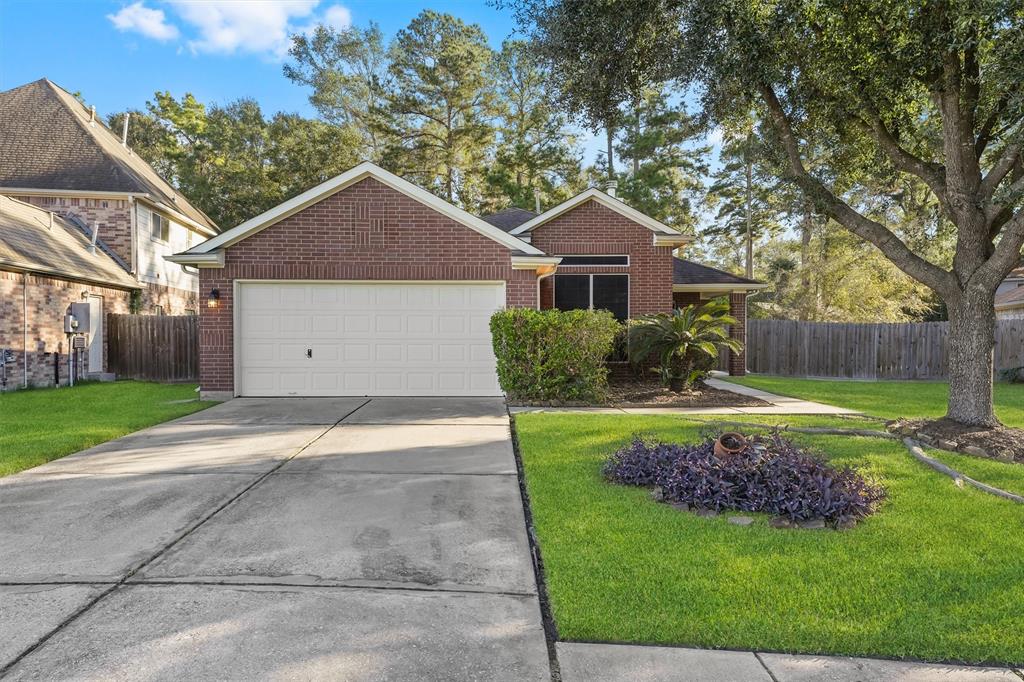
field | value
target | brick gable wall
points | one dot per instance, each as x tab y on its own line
367	231
595	229
48	300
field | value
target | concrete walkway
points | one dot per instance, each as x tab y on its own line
277	539
613	662
779	404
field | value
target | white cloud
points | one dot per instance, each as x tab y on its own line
141	19
338	17
256	26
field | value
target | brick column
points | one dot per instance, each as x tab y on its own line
738	309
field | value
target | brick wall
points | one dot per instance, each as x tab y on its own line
595	229
367	231
171	301
48	300
738	309
685	298
113	215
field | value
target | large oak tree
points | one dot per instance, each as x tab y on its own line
931	90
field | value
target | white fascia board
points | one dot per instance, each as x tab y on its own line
677	239
350	177
605	200
534	262
213	259
724	288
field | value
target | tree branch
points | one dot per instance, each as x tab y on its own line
883	238
932	174
1006	255
1001	168
985	134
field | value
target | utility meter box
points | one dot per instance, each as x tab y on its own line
78	343
79	311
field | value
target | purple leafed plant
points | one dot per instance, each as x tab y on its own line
771	475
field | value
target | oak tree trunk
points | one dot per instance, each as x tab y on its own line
972	340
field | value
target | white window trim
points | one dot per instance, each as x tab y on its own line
153	215
592	275
596	255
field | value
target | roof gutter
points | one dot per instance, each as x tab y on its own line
542	265
724	288
211	259
54	274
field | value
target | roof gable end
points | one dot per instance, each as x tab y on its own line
661	230
337	184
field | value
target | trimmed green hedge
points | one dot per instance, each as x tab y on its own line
553	354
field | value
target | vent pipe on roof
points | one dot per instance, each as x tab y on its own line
610	186
51	220
95	234
124	131
536	200
92	115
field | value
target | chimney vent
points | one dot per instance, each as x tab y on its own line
124	131
610	186
92	115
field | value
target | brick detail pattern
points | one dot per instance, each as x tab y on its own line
48	301
367	231
597	230
113	215
738	309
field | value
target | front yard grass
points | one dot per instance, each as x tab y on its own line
37	426
888	399
934	575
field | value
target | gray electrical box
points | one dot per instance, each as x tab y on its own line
80	311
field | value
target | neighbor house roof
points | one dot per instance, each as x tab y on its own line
35	240
51	141
1014	298
509	218
696	277
1016	273
210	252
663	234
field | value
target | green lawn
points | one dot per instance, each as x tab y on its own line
889	399
39	425
935	575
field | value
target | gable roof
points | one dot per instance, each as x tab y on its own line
35	240
509	218
689	275
594	194
338	183
51	141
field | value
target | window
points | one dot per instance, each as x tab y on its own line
158	310
161	227
593	292
595	260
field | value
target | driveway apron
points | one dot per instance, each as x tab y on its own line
340	538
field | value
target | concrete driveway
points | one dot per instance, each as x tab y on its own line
276	539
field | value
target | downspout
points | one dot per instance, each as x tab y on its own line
24	327
541	276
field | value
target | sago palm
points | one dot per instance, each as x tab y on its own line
679	339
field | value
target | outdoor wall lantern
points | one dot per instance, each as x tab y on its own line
214	300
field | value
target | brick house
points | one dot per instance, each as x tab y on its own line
56	154
47	263
1010	296
369	285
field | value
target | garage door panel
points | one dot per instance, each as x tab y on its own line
367	339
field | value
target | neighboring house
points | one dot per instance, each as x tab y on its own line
369	285
56	154
48	262
1010	296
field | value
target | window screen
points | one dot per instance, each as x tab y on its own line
595	260
611	292
572	292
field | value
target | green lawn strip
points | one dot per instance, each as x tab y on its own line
887	399
1006	475
37	426
934	575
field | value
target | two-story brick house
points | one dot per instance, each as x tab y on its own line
57	154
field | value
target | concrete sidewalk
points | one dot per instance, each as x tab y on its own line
612	662
779	404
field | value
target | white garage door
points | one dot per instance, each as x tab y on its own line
377	339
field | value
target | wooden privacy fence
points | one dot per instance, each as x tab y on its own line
866	351
153	347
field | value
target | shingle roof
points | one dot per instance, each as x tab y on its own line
509	218
1014	298
28	242
48	142
688	272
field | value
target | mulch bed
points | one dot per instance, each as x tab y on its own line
999	443
637	392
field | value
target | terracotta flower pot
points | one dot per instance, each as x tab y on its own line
733	443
